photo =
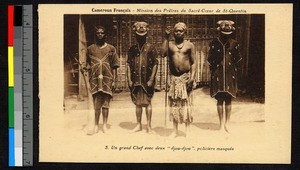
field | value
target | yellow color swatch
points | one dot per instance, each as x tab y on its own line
10	66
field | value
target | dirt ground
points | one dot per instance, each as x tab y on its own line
68	137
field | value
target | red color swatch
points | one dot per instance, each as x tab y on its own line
10	25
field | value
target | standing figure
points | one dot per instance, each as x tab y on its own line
181	56
142	67
102	60
223	58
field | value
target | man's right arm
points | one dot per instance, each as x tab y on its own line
85	66
129	76
165	45
164	48
213	58
128	69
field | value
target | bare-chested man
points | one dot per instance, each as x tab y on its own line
181	55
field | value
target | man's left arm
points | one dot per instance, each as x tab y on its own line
154	69
237	54
115	64
193	65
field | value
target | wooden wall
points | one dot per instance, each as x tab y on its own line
201	29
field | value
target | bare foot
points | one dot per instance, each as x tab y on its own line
137	129
226	129
104	128
222	129
149	130
96	129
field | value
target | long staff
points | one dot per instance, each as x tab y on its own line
91	114
166	89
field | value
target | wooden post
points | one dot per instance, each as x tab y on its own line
82	49
248	22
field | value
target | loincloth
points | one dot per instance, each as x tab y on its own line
141	98
180	102
101	100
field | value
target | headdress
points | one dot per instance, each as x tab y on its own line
225	26
140	28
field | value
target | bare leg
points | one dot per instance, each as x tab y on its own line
149	115
220	113
138	127
187	129
175	129
97	116
227	113
105	118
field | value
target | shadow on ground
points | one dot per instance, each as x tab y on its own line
161	131
207	126
128	125
84	126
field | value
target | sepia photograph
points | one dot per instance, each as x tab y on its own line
164	84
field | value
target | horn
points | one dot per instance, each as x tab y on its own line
95	28
220	21
134	26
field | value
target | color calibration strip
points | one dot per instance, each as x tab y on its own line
20	85
11	86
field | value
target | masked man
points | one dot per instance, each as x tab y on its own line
141	71
223	58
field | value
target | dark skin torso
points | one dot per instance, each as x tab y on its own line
180	58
